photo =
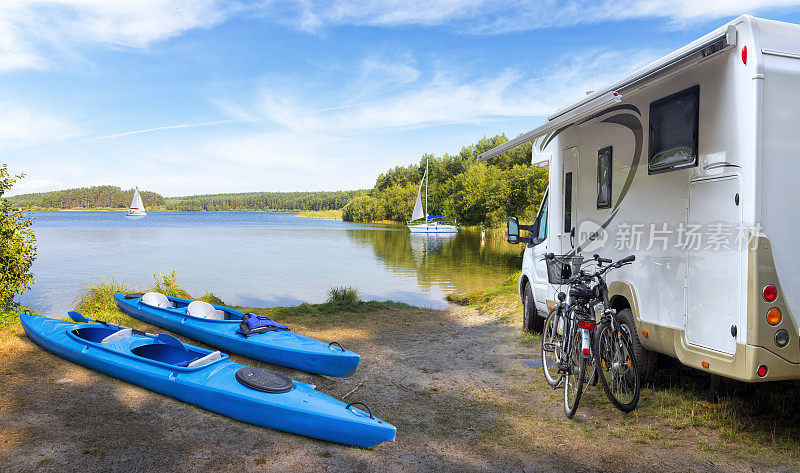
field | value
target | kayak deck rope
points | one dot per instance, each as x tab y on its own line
358	403
337	344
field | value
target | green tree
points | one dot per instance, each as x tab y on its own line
363	208
17	246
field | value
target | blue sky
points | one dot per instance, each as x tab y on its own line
203	96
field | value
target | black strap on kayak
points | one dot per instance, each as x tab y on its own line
134	295
337	344
357	403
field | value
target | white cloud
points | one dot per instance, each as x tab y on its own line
447	97
498	16
29	186
21	126
388	70
38	33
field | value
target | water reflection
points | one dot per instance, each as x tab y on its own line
259	259
459	262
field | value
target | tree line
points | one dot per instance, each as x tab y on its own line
468	191
97	197
111	197
262	201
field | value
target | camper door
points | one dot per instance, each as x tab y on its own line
569	184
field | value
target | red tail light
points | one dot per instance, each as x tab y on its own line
770	293
587	351
586	324
762	371
744	55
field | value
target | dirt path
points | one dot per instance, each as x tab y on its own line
451	381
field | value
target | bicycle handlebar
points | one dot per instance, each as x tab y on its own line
588	277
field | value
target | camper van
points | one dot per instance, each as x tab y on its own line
692	164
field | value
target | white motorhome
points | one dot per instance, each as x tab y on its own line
703	144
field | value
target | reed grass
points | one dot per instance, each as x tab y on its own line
99	297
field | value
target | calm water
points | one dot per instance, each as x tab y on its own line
258	259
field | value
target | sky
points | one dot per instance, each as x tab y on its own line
189	97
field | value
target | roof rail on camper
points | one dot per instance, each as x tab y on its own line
719	40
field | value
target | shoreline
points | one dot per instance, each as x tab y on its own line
450	380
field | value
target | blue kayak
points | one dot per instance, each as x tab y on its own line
208	379
218	325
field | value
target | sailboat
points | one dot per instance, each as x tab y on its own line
428	224
137	206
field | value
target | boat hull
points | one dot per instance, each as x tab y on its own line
432	228
281	347
301	410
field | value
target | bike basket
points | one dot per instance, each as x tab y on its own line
561	268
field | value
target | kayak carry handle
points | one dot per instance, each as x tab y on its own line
337	344
357	403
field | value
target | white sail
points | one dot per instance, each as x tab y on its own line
418	212
137	206
136	203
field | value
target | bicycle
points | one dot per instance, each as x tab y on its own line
564	359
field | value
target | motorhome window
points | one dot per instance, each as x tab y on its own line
604	178
567	202
541	235
673	131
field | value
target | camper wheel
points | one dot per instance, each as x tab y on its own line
531	320
645	359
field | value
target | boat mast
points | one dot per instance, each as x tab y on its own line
426	191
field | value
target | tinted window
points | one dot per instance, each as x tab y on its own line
673	131
567	202
604	178
542	233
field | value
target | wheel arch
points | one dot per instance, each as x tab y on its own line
622	295
523	279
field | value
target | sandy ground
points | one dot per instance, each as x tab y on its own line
451	381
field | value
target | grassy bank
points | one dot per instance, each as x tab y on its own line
324	214
750	419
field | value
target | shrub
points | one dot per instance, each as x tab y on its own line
17	247
211	298
343	295
99	297
167	284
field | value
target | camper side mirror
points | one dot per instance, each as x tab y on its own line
512	230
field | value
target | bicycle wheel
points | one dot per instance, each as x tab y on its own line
552	346
575	375
616	364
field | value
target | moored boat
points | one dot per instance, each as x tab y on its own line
219	326
429	224
137	206
208	379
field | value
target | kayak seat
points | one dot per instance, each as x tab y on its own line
158	300
167	353
204	310
95	334
210	358
118	335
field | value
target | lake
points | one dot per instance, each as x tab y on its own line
258	259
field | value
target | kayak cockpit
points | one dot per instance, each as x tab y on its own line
169	354
94	334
